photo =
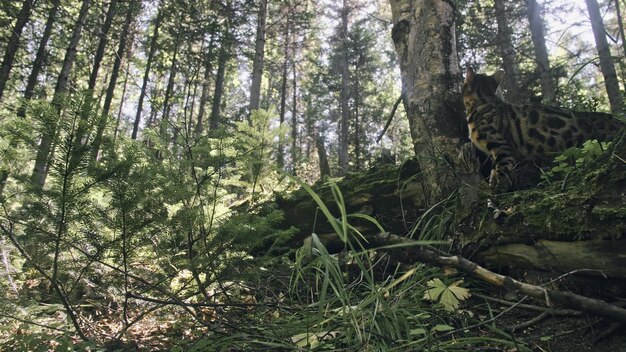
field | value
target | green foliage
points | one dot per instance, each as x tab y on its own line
351	307
132	223
256	143
573	158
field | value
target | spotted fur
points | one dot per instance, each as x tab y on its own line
512	133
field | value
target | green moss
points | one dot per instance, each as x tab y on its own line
589	204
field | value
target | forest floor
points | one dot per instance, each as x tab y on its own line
172	328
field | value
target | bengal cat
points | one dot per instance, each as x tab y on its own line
512	133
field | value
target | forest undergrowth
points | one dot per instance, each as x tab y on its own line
142	253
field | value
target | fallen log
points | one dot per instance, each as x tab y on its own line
596	257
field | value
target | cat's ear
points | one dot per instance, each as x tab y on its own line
469	74
499	76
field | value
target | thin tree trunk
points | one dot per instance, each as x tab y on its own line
122	99
88	105
606	62
13	44
323	157
102	44
32	78
280	157
38	176
104	116
146	75
548	85
344	94
171	79
620	25
424	38
208	69
222	61
267	99
192	107
294	114
505	41
357	124
259	55
32	81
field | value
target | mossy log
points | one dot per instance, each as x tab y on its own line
569	225
593	257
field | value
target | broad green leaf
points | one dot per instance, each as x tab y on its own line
449	296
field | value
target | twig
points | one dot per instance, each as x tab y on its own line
180	303
552	311
613	328
34	323
7	266
526	324
389	119
53	282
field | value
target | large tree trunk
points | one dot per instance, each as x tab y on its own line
344	95
39	174
604	53
32	80
146	75
507	51
108	99
259	54
424	38
13	44
548	85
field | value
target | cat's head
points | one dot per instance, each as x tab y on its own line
478	86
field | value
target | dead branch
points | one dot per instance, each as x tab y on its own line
426	254
389	119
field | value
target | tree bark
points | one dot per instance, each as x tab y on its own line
13	44
280	155
88	106
102	44
620	25
222	61
39	57
208	69
323	158
548	85
146	75
357	123
424	38
505	42
604	53
259	55
165	117
294	112
39	174
344	94
123	97
108	99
